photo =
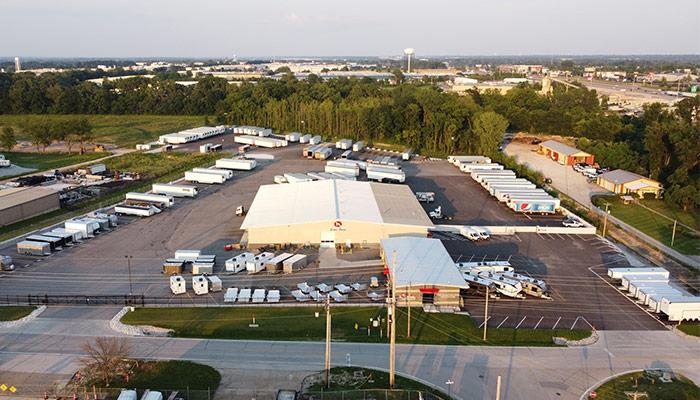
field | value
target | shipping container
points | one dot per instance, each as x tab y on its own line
177	284
31	248
237	164
294	263
197	177
257	263
174	190
274	265
238	263
159	200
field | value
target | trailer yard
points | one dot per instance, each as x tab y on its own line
573	265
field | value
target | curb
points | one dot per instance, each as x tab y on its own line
23	320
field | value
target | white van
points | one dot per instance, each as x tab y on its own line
469	233
483	233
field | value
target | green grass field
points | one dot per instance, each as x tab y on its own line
349	324
690	329
655	225
680	389
47	161
11	313
122	130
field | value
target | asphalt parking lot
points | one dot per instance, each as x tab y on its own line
575	268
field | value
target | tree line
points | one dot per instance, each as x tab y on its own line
661	144
42	132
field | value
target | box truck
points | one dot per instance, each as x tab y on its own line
294	263
274	265
231	163
618	273
174	190
227	174
199	177
200	285
139	211
380	174
31	248
257	263
6	263
159	200
177	284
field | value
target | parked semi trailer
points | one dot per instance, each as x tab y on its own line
232	163
543	206
227	174
138	211
293	136
159	200
618	273
480	174
681	308
644	294
628	279
32	248
305	138
174	190
381	174
199	177
469	167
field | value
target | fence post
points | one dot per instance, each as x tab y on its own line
188	393
208	393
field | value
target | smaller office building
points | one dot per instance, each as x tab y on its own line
625	182
425	272
563	153
17	204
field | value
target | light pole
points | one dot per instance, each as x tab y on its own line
128	263
449	384
605	220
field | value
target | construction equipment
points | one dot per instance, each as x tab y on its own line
240	211
99	148
437	214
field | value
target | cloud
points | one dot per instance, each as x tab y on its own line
293	18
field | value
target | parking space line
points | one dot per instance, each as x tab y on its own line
538	322
517	326
588	323
487	320
555	324
574	324
562	237
517	237
540	236
504	320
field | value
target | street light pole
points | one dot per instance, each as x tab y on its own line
128	263
449	384
605	220
393	324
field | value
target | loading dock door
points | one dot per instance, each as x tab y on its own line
327	239
428	298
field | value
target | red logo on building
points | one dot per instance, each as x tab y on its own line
337	224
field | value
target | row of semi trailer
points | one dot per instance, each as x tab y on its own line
652	289
73	231
518	194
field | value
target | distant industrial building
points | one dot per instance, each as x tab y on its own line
564	154
625	182
17	204
334	211
425	273
18	66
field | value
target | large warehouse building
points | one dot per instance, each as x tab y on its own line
425	272
564	153
334	211
17	204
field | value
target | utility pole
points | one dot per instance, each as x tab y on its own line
673	237
486	312
392	306
605	220
408	298
328	340
128	263
498	388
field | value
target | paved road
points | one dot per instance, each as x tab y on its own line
545	373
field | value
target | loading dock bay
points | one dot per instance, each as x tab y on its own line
98	267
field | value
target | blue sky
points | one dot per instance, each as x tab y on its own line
219	28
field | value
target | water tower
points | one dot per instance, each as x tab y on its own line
409	52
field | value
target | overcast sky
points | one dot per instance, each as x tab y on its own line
220	28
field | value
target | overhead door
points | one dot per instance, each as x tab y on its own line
327	239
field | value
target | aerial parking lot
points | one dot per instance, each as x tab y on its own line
569	263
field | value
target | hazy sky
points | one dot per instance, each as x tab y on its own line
218	28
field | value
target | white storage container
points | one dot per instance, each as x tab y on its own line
200	285
177	284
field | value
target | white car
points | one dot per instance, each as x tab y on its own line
572	223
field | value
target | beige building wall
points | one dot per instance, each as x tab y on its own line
446	296
357	232
29	208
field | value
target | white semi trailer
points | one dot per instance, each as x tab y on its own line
199	177
644	294
159	200
232	163
380	174
681	308
227	174
257	263
174	190
138	211
618	273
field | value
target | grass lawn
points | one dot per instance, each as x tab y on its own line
687	217
349	324
44	161
166	376
690	329
122	130
343	378
680	389
655	225
11	313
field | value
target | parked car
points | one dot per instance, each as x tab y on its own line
572	223
536	141
592	180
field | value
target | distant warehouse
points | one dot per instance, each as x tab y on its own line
334	211
563	153
625	182
17	204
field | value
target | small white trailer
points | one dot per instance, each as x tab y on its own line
323	288
342	288
380	174
274	265
177	284
294	263
206	178
32	248
159	200
237	263
231	295
227	174
258	296
205	148
631	277
300	296
257	263
273	296
358	286
338	297
305	138
86	228
357	146
681	308
202	268
232	163
315	140
187	255
644	294
214	283
293	136
244	296
618	273
406	155
174	190
138	211
200	285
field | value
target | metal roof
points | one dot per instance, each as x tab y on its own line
11	197
330	200
561	148
620	176
421	261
